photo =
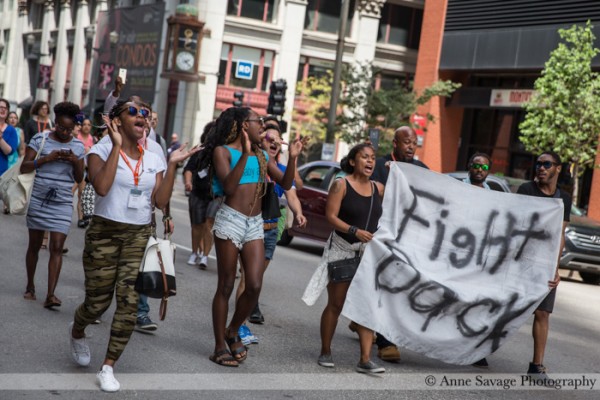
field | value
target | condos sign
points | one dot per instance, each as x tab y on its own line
130	38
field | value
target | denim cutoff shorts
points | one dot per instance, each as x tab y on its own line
232	225
270	243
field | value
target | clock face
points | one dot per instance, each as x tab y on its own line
185	61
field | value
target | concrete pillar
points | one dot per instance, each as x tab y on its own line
48	25
159	103
213	13
368	28
61	59
79	54
17	78
289	55
100	6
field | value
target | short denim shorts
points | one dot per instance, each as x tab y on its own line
270	242
232	225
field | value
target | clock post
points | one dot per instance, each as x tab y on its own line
182	47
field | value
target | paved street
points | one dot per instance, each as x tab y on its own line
173	363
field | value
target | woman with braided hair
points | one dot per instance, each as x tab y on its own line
240	167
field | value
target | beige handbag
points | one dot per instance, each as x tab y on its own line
15	187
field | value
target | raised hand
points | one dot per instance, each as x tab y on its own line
183	153
113	131
246	143
296	148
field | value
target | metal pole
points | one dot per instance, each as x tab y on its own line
94	81
337	73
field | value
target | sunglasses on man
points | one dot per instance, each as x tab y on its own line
484	167
545	164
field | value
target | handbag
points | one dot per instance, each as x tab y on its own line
270	203
345	269
156	276
15	187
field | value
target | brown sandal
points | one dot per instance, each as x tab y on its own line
224	358
240	353
29	294
52	301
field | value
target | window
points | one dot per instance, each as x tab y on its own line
6	41
255	63
389	81
261	10
313	67
400	25
314	177
324	16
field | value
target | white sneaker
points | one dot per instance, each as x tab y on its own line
80	351
193	260
203	262
107	380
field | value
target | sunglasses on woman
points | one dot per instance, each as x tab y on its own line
134	111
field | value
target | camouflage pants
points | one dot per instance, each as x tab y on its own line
111	259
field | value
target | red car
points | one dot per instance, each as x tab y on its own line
317	177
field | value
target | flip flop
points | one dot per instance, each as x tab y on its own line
238	350
224	358
52	301
29	294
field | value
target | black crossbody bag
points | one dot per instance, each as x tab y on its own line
344	270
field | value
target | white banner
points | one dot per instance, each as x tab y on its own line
454	270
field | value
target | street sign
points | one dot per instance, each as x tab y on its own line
244	70
327	151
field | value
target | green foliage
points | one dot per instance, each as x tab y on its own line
361	106
564	114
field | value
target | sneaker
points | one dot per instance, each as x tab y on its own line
107	380
538	373
256	317
246	335
193	260
145	324
369	367
80	351
481	363
203	263
325	360
389	353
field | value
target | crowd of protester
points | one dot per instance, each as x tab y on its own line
226	177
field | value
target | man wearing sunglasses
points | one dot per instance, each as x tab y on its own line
479	167
547	169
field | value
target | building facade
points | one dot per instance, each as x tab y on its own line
496	49
246	44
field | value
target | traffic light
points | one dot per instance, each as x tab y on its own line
239	99
277	97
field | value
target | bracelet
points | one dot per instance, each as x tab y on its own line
35	166
352	230
166	218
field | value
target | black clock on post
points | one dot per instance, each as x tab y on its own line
182	48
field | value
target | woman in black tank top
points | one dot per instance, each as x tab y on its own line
348	206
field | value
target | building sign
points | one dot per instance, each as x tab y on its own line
327	151
510	97
244	70
44	76
137	49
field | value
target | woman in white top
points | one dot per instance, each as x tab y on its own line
129	182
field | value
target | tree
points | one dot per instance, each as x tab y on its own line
360	107
564	113
364	107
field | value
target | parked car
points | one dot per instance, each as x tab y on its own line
582	236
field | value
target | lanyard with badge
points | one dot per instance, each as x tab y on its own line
135	195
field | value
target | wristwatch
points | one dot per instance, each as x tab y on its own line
352	230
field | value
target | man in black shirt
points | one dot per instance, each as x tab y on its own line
547	170
405	144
